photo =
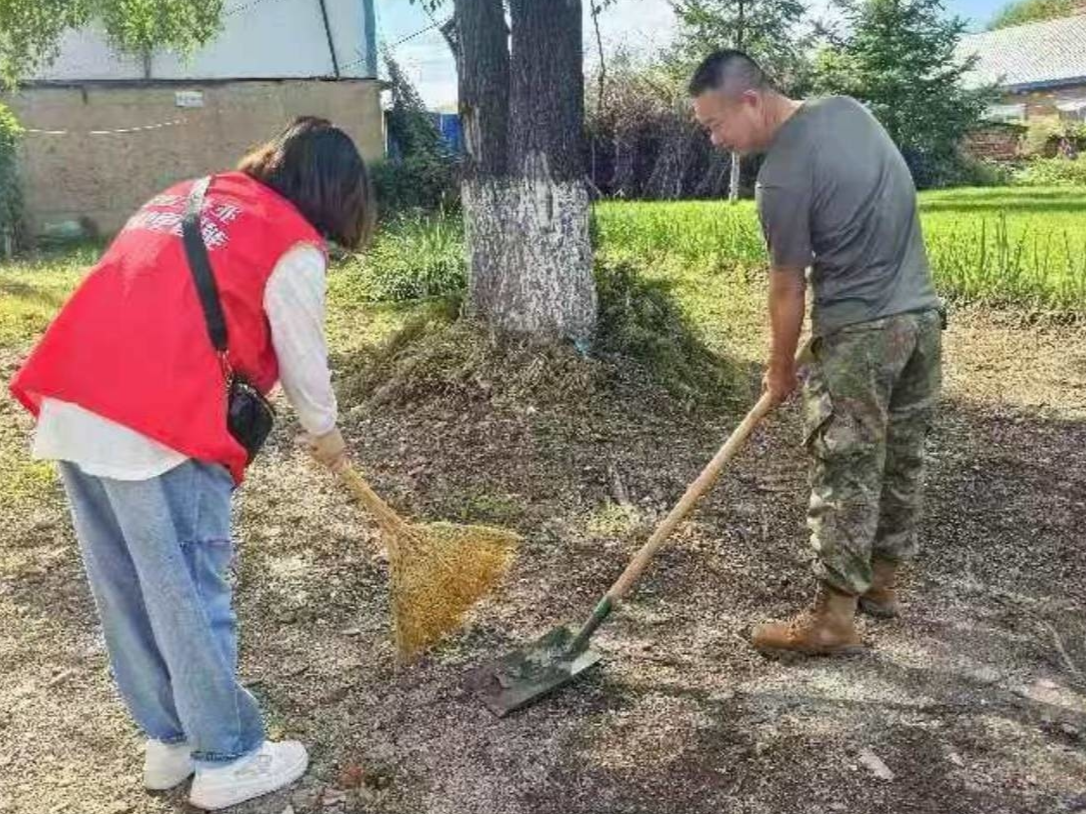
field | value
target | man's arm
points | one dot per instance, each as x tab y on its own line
787	304
784	207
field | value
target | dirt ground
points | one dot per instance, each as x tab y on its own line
974	701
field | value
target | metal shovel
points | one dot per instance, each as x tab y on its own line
558	657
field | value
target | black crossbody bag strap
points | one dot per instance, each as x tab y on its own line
200	265
249	416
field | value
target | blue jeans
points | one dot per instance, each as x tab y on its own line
158	555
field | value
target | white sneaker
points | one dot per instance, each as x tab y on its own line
269	768
165	765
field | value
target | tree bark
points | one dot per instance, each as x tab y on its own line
733	181
483	70
526	206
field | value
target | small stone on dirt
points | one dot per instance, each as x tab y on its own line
874	763
306	799
333	797
352	776
60	678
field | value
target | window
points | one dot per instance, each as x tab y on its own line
1006	113
1073	109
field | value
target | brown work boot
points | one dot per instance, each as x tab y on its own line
881	598
827	628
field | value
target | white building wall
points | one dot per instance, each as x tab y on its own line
261	39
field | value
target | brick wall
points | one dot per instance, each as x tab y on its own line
71	173
995	143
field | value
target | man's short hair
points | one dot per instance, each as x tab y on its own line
730	70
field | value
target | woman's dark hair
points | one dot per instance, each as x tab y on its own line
316	166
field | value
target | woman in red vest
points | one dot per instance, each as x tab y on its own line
130	395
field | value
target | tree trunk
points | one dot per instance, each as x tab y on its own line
483	69
733	183
525	198
713	182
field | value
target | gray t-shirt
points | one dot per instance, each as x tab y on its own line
835	194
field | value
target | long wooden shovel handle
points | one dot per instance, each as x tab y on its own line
700	486
384	513
693	493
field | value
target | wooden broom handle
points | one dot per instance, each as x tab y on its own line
384	513
693	493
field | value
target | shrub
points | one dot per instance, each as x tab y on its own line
968	171
420	173
416	183
11	202
1043	136
1052	172
414	257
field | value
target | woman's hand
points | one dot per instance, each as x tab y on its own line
328	450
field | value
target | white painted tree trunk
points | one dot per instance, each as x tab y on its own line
525	198
530	255
733	183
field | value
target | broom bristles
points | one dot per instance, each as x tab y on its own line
438	571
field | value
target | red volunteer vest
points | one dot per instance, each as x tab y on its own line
131	344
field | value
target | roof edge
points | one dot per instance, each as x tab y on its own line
1070	19
1024	87
209	81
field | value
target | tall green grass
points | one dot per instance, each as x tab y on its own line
720	234
414	256
990	261
1009	246
1020	247
1003	246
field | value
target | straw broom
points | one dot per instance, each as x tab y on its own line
438	570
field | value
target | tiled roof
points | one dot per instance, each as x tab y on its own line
1042	54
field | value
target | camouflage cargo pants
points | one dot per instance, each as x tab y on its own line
869	399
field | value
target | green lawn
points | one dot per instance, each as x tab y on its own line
32	289
1016	247
1013	246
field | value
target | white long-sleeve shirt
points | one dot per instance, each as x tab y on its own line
294	301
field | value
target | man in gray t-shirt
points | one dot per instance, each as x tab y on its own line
835	196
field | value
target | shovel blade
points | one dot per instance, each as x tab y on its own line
523	676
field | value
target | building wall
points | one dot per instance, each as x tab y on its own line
995	143
258	40
75	165
1002	141
1042	103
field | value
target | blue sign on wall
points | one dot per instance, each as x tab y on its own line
448	125
448	128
